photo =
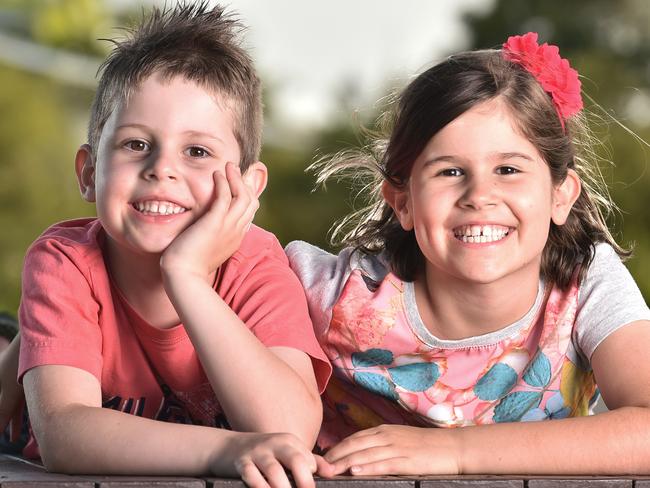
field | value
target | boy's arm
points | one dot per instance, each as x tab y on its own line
260	389
76	435
614	442
12	396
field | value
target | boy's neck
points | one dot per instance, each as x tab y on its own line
139	279
452	309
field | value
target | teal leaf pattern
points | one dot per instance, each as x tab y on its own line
415	376
538	372
372	357
515	405
496	383
376	383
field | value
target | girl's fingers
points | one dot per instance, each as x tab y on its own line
394	466
356	442
359	461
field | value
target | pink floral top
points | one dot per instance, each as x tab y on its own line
390	369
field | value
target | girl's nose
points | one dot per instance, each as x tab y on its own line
479	193
160	166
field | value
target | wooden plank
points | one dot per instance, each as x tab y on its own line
19	473
366	482
485	481
143	481
577	482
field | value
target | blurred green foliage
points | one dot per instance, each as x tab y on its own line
43	121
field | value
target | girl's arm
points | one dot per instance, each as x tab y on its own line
614	442
76	435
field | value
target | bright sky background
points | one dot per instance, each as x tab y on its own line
305	49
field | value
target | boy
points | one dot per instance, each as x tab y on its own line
121	326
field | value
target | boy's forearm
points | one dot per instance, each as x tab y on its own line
83	439
258	391
615	442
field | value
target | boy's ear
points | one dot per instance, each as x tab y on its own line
84	164
256	177
399	201
564	196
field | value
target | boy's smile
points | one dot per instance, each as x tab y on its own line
152	176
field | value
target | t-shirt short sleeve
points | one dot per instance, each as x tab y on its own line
608	299
260	287
58	312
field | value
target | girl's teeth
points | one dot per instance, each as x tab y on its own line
481	233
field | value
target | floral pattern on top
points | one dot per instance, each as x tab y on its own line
385	373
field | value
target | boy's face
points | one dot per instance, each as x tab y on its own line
152	175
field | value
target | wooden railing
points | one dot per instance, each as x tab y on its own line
18	473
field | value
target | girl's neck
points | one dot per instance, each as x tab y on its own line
454	309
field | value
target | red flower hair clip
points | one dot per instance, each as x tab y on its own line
551	71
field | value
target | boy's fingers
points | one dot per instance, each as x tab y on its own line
251	475
274	473
16	423
323	468
222	193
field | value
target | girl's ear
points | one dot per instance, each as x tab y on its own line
84	164
564	196
400	202
256	177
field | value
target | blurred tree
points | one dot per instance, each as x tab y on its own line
609	44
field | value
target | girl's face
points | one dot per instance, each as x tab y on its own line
480	199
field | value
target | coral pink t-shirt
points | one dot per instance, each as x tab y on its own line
72	314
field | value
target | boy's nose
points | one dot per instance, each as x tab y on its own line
479	193
160	167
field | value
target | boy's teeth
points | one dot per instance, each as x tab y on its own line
481	233
158	208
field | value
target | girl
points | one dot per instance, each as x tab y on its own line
482	290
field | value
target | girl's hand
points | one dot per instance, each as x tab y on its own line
394	450
12	397
261	460
217	234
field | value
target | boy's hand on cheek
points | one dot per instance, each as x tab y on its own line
217	234
393	450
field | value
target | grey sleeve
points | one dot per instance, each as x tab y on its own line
322	275
608	299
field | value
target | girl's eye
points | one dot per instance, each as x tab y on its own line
137	145
507	170
197	152
451	172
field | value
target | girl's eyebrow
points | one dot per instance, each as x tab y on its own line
450	158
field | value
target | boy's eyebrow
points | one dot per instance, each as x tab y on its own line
187	132
204	134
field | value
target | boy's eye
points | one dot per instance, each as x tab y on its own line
451	172
507	170
197	152
137	145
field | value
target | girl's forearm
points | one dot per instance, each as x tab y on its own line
615	442
258	391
